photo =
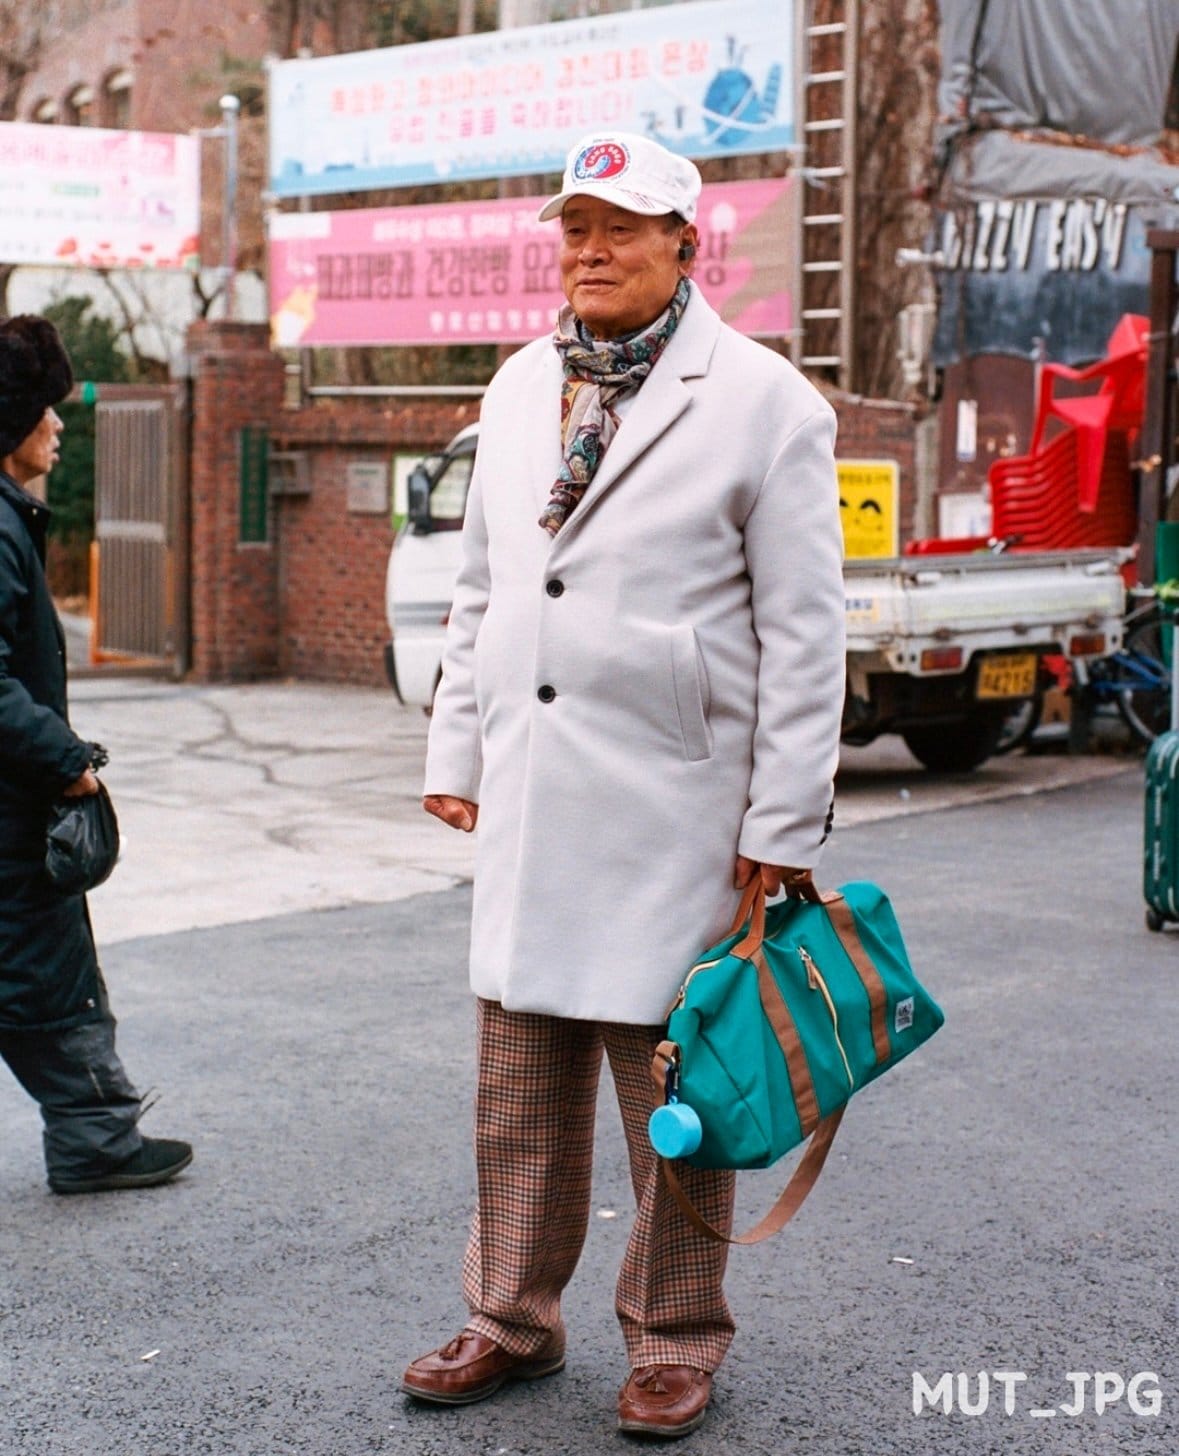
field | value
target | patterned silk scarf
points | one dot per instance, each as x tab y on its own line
598	372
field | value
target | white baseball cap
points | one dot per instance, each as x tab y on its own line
630	171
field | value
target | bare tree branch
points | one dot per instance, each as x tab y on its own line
897	106
23	32
130	321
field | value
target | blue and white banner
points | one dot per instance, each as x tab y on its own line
714	78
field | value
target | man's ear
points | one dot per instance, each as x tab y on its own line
689	242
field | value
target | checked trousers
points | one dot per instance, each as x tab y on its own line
535	1102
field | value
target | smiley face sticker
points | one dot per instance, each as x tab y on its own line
868	491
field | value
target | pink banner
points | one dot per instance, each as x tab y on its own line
486	272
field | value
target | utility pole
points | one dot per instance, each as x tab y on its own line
227	133
230	106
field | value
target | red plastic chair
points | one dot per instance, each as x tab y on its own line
1117	406
1074	489
1035	497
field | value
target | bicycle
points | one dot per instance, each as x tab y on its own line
1136	680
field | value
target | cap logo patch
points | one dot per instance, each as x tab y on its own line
601	161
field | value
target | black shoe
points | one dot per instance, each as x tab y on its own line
158	1160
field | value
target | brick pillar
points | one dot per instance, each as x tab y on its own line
237	382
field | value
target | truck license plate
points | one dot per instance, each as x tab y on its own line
1011	676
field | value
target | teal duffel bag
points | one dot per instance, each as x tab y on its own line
774	1028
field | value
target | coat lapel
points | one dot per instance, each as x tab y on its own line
660	401
541	426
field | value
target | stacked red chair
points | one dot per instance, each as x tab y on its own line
1074	487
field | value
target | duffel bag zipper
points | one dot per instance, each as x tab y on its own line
814	979
683	991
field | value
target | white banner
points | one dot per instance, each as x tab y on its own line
709	79
87	197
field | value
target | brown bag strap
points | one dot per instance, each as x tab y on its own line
666	1056
844	924
790	1200
753	909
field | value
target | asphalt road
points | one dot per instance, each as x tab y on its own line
1005	1201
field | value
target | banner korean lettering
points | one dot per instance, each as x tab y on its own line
487	272
96	198
707	79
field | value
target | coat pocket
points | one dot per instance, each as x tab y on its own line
690	680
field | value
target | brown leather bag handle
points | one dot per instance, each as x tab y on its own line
753	909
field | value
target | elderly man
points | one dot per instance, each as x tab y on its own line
57	1033
640	706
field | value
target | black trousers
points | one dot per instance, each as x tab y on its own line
88	1104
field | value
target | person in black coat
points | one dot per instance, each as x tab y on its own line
57	1033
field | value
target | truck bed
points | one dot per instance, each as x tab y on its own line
900	606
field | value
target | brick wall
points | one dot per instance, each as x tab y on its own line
237	382
175	52
173	49
311	602
333	560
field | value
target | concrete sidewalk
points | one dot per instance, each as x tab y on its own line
240	803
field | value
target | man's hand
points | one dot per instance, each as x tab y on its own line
458	813
773	877
86	784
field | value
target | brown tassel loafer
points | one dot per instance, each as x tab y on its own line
470	1368
664	1400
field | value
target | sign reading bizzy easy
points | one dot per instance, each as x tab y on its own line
708	79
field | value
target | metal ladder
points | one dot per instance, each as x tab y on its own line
827	46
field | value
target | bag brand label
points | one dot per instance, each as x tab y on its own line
904	1014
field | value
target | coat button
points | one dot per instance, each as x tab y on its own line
546	693
555	587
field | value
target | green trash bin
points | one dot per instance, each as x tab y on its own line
1166	551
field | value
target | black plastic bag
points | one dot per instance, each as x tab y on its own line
82	842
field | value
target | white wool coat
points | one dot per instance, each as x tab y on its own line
653	691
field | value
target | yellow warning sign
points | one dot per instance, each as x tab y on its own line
868	507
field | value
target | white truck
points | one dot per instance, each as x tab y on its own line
944	650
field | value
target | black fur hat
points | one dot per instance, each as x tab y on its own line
35	373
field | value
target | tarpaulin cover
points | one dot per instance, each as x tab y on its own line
1098	68
996	164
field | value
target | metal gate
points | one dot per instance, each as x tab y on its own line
139	574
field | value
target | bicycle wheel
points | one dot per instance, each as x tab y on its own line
1020	724
1143	679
